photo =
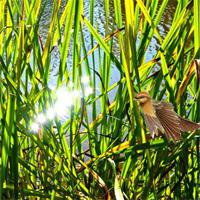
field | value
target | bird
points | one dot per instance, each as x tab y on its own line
160	116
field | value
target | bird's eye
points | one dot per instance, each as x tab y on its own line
139	97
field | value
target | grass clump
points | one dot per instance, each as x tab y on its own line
86	138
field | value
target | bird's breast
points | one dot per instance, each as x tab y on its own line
148	109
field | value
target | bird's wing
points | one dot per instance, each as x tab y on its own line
153	124
187	125
168	119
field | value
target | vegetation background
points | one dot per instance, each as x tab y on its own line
101	148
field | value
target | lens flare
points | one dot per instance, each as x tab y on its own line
35	127
41	119
60	109
64	99
88	91
85	79
51	113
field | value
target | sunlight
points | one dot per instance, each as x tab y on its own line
85	79
64	99
51	113
60	109
41	119
35	127
88	91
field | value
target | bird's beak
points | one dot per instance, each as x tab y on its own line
134	99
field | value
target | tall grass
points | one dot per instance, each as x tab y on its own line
102	148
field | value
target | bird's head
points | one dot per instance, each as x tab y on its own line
142	97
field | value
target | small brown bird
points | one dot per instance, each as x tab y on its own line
160	116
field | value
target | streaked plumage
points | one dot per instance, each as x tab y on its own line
160	116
